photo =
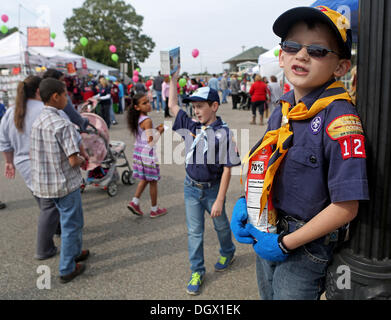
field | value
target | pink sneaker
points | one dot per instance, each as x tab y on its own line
135	209
159	212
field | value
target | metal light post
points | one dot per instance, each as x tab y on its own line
364	263
132	53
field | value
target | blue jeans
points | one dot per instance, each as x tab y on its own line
225	95
72	221
197	200
300	277
120	105
112	115
159	101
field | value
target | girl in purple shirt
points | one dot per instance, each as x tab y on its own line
145	166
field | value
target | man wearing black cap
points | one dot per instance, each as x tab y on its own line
316	173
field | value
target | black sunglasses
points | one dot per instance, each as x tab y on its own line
313	50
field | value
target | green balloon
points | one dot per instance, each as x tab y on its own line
276	52
182	82
138	69
83	41
114	57
53	35
4	29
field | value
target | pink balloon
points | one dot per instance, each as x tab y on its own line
195	53
135	78
52	44
113	48
135	73
4	17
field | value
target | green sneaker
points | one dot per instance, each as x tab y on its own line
194	285
223	263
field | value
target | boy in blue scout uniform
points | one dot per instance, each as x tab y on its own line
210	154
317	172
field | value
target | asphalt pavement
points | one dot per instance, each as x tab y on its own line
131	257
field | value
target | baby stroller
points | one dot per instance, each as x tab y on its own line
103	157
245	102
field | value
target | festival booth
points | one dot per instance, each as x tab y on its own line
14	52
17	60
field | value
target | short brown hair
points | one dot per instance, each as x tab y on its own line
50	86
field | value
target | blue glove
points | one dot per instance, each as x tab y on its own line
238	222
267	244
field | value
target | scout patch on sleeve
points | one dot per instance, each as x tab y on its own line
347	130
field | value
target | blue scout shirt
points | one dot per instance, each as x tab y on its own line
323	165
222	151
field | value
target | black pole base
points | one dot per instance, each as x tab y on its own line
351	277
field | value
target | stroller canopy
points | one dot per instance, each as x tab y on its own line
96	144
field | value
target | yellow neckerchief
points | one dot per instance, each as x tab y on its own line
282	137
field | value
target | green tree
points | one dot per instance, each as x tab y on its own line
107	22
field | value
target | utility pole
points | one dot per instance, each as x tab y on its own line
21	48
131	54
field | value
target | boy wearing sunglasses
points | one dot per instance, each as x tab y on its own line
316	173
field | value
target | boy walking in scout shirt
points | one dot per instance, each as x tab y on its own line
210	154
55	173
317	172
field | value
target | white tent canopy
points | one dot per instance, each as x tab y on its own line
14	47
269	65
11	49
96	66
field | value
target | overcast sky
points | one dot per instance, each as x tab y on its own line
217	28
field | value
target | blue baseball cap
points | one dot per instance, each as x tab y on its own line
335	20
203	94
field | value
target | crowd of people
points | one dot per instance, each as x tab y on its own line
249	92
305	176
29	149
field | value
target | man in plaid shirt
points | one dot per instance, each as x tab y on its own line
55	173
